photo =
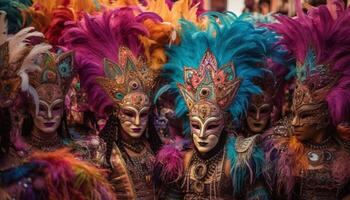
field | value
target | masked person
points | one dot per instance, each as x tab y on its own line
17	61
212	71
307	159
118	76
54	175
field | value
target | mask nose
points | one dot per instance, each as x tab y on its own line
49	114
137	119
295	121
202	132
257	115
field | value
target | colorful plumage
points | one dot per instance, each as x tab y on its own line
50	17
69	178
232	40
96	38
319	41
14	10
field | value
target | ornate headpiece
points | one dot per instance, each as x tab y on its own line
54	78
222	60
210	83
317	42
129	75
17	59
110	55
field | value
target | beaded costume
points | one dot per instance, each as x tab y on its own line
118	63
301	165
212	70
17	56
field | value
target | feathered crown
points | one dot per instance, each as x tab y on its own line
17	57
320	45
223	59
130	74
110	55
210	83
56	71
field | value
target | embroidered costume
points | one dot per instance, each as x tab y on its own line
118	63
307	159
212	69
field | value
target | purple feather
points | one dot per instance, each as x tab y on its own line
97	37
329	37
169	164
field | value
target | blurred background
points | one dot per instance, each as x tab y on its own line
261	6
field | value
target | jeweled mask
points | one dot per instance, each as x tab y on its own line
261	105
208	91
312	85
51	85
129	84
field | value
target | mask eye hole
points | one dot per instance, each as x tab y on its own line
305	115
128	113
252	109
195	126
213	126
143	115
42	108
264	110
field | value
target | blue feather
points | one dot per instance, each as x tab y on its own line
15	174
14	16
235	40
240	175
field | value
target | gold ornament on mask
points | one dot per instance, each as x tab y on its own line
54	79
129	75
209	83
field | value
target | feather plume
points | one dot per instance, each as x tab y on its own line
95	38
326	37
169	164
69	178
234	40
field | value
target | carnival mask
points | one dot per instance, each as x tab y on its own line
51	107
208	91
261	105
129	84
133	114
259	114
51	86
207	124
309	108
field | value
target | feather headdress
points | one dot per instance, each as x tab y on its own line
18	59
50	17
106	47
15	15
318	40
235	42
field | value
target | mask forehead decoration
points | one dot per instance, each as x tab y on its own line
17	60
313	82
208	86
129	76
54	79
269	87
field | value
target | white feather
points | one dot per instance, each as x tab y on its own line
18	43
35	96
28	64
25	81
3	27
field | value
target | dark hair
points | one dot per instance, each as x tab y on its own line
111	130
28	126
109	135
5	127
